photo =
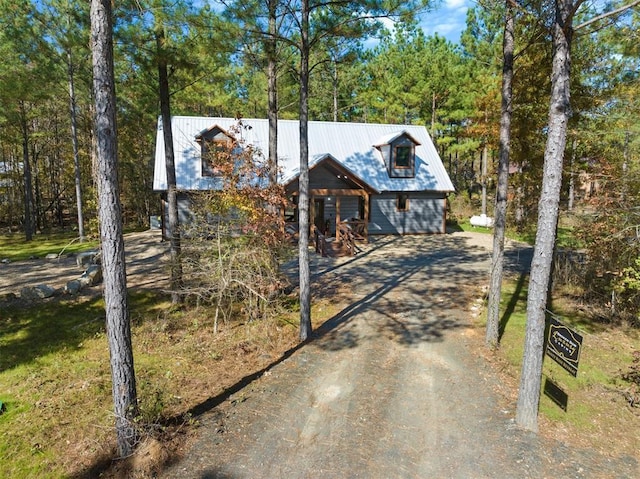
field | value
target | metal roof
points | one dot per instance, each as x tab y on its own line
350	144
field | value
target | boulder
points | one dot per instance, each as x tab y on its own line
86	258
37	292
7	297
93	274
73	287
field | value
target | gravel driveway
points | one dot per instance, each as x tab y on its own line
146	256
390	387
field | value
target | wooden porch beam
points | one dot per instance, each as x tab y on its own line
312	210
336	192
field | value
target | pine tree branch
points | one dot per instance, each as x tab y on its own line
608	14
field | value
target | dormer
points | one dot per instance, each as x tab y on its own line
215	146
399	154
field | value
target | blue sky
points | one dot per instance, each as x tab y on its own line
447	19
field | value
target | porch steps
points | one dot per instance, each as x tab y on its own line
336	249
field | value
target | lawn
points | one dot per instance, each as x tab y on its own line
596	404
14	248
56	385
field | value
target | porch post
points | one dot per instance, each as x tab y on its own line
337	218
312	213
366	216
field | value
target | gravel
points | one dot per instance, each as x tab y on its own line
393	386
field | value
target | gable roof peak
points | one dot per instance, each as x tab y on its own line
391	137
215	128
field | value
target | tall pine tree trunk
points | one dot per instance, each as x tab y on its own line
334	82
559	113
303	199
483	176
170	166
572	174
27	176
272	87
76	149
500	214
110	216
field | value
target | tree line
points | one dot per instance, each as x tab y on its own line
218	67
311	61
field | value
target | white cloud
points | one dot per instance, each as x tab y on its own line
448	21
388	23
443	29
454	4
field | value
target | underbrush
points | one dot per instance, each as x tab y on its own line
598	402
56	386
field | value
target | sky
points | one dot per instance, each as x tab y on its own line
447	19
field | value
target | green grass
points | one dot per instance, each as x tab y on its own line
55	383
15	248
55	378
596	407
43	358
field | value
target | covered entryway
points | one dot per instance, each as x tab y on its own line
339	206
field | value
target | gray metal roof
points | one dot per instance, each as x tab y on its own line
351	144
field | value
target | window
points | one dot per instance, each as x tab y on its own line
213	152
403	157
402	202
398	152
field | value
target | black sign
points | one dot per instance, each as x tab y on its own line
564	345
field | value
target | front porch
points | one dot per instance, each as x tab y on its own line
330	234
345	242
339	203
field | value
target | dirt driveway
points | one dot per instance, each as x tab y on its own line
145	252
390	387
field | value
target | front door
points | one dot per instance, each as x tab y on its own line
318	220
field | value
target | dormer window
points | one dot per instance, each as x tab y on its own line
403	157
215	145
398	151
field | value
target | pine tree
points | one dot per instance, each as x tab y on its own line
112	243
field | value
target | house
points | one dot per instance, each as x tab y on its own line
389	178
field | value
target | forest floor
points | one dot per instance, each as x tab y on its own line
393	386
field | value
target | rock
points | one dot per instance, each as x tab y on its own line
6	261
37	292
51	256
93	274
73	287
7	297
85	258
